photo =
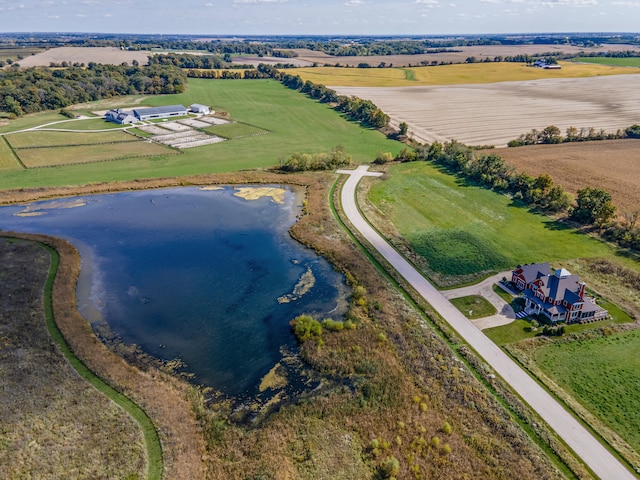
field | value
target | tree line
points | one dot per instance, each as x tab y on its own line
552	135
37	89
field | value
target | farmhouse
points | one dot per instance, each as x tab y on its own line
160	112
119	116
199	108
559	296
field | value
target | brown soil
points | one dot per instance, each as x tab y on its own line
86	55
480	52
613	165
494	114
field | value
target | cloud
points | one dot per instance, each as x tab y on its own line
427	2
626	4
354	3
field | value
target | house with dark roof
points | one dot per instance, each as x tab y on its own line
120	116
558	295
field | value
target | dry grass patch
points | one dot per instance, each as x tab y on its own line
613	165
40	139
53	424
54	156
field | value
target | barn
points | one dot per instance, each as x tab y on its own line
160	112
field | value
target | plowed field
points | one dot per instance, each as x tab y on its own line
493	114
613	165
86	55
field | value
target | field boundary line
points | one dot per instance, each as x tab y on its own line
13	153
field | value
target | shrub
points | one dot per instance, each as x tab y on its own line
390	467
307	328
332	325
446	428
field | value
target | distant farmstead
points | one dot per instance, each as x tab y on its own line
559	296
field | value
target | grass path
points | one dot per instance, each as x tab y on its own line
152	442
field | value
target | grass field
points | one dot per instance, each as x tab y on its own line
46	138
297	123
47	157
611	61
235	130
603	373
88	124
463	230
474	306
450	74
32	120
8	160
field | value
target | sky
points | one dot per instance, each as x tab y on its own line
319	17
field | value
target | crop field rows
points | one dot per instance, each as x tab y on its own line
494	114
613	165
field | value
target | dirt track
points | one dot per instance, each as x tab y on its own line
493	114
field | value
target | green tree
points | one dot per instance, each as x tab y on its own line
403	128
594	206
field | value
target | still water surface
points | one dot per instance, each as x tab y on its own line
192	274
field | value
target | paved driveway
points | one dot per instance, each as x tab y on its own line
484	289
585	445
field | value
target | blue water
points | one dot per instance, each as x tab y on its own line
191	274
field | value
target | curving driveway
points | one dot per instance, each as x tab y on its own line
585	445
484	289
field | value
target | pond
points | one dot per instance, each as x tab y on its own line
208	275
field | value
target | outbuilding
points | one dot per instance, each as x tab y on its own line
199	108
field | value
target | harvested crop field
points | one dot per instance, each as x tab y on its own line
8	160
613	165
493	114
453	55
53	423
86	55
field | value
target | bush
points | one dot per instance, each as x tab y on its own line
307	328
390	467
332	325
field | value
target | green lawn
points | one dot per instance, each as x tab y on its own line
87	124
511	333
297	123
463	230
604	375
53	139
8	160
474	306
235	130
617	62
502	294
57	156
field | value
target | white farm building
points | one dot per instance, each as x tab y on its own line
199	108
160	112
